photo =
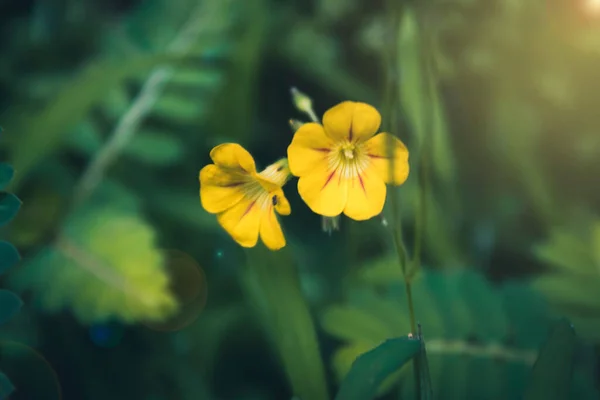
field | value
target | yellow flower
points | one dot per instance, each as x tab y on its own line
244	200
342	166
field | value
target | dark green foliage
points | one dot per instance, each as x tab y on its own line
481	340
9	256
10	304
6	387
370	369
9	206
6	174
273	284
553	369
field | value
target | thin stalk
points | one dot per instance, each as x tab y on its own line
425	150
391	100
141	106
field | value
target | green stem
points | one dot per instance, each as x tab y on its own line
391	100
425	150
411	307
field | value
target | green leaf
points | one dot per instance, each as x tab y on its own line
102	272
370	369
155	148
37	136
197	78
9	206
10	304
6	174
354	324
176	107
85	138
420	97
6	387
272	282
9	256
552	372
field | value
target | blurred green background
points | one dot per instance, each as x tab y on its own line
132	291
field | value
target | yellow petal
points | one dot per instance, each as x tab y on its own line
351	121
270	231
219	189
376	149
366	195
242	221
309	147
324	191
233	156
282	205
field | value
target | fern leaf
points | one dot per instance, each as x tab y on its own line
185	92
105	266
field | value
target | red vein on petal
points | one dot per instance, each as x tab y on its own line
328	180
376	156
362	184
351	134
248	209
232	185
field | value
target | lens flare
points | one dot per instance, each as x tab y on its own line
188	284
29	372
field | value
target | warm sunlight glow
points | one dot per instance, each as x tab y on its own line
592	6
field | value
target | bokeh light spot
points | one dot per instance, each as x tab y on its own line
188	285
29	373
106	335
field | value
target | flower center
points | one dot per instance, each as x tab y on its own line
349	159
348	150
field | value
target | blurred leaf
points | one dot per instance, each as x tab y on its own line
420	98
568	251
9	206
117	102
38	218
273	285
370	369
466	320
6	387
571	291
530	324
36	137
595	243
553	370
85	138
6	175
155	148
10	304
571	288
9	256
102	271
183	208
381	272
354	324
178	108
198	78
